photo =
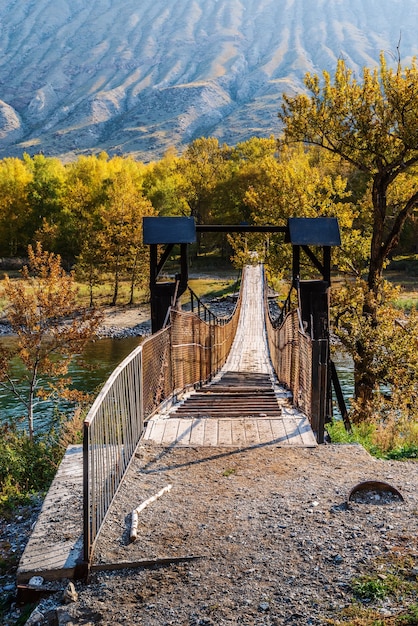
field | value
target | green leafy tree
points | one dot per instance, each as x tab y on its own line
243	170
120	237
203	166
44	191
372	124
50	327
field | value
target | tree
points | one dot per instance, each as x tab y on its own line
120	238
203	167
297	182
242	171
389	354
373	125
50	329
163	183
44	191
90	263
14	206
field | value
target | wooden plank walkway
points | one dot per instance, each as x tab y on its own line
236	433
56	543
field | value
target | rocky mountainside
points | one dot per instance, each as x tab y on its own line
136	76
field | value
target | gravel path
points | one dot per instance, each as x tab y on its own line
276	541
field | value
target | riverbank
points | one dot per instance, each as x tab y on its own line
120	322
133	321
125	321
270	537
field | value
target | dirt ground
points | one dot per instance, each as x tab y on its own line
258	536
126	317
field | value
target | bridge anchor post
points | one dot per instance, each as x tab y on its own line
314	304
168	231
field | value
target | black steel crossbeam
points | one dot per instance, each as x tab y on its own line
164	258
238	228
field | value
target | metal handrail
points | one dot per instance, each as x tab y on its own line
112	430
207	313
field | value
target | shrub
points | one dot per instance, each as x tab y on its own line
25	466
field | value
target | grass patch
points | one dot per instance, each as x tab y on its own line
220	284
213	287
370	437
403	272
362	616
407	451
372	587
391	578
102	294
229	472
25	467
361	434
406	302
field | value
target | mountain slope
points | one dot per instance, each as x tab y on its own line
136	77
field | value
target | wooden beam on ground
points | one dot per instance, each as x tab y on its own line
55	545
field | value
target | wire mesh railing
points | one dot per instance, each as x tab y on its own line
187	352
301	364
291	356
200	344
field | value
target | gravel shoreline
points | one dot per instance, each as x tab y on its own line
134	321
276	541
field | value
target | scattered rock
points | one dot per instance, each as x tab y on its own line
36	619
254	535
264	559
70	594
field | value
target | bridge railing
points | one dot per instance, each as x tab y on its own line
200	346
187	352
112	430
300	363
291	356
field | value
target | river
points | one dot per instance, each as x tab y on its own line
87	373
99	360
345	370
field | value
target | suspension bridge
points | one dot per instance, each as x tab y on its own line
244	404
237	382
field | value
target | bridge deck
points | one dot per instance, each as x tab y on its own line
244	405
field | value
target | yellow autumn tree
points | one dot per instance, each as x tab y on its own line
370	123
50	327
